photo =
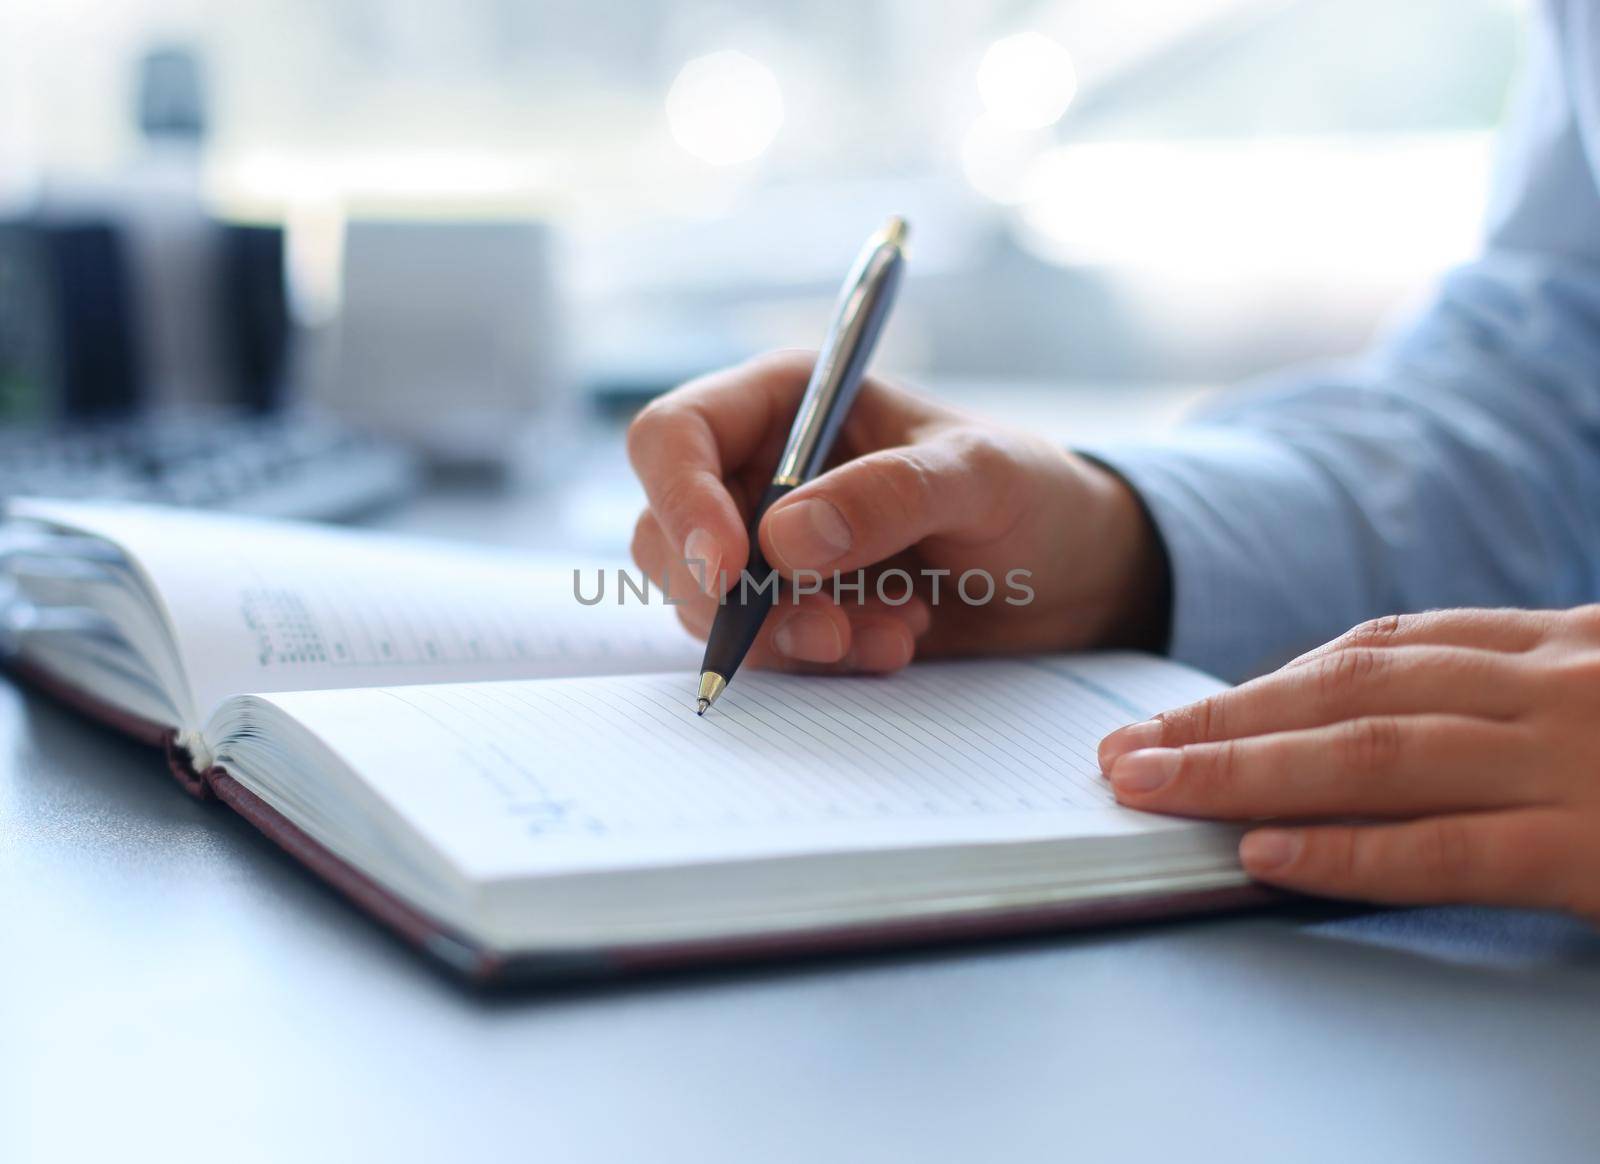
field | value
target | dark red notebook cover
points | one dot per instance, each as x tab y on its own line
483	965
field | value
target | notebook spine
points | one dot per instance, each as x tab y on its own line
180	762
408	923
214	784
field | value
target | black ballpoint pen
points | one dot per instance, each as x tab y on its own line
863	306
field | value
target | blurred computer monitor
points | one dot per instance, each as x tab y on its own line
97	322
451	339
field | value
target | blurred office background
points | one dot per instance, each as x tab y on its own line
494	208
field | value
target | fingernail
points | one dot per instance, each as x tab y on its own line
808	534
700	547
1144	734
1267	849
1145	770
879	647
809	638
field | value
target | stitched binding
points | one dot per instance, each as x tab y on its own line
185	767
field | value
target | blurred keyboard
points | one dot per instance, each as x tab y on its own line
280	465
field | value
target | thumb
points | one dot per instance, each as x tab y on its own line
873	507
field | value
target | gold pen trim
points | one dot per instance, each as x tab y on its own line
711	686
893	233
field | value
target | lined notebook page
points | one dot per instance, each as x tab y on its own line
273	606
516	777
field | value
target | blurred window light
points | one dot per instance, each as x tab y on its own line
1313	67
725	108
1404	203
402	181
1026	81
1300	135
998	160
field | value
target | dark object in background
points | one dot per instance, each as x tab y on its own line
272	465
255	314
171	102
78	415
144	346
67	336
89	297
69	320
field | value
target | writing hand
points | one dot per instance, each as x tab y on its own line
917	486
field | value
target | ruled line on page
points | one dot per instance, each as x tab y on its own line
626	754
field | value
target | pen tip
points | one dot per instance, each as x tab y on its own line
896	230
711	685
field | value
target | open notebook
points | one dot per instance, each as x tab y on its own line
517	782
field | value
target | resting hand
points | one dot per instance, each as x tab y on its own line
1470	739
915	486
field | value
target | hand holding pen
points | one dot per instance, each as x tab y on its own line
912	485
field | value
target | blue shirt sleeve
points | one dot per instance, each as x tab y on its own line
1459	466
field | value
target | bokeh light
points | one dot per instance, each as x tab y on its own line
1026	81
998	160
725	108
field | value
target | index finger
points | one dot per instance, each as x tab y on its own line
685	443
1341	686
1510	630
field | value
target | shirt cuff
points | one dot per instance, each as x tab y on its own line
1260	543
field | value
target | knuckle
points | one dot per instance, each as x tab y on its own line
1444	852
980	452
677	498
1208	771
1341	672
992	459
1351	855
644	428
1370	746
1585	619
1336	856
1376	632
1578	673
783	362
1194	723
900	484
